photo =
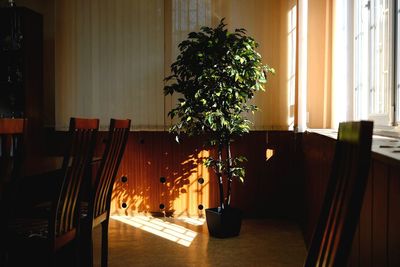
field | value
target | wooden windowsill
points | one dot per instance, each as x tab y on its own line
385	148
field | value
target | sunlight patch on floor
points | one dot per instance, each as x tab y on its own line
161	228
192	221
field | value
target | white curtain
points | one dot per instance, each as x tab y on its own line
267	22
328	68
111	56
109	61
302	67
188	16
342	62
181	18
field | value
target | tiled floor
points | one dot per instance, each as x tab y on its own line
147	241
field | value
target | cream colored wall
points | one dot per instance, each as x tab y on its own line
266	21
319	63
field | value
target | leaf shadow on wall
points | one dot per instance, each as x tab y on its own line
182	192
162	176
127	200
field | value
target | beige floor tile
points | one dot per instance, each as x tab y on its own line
137	242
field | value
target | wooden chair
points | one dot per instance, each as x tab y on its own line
97	211
333	236
11	146
45	238
11	153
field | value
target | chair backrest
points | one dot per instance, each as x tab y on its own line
64	214
333	236
99	203
11	146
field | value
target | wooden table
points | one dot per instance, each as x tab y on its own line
48	165
40	176
41	165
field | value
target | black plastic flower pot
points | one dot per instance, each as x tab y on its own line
224	224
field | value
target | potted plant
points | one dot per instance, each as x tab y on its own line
216	74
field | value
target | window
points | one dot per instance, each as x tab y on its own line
373	61
292	21
188	16
397	49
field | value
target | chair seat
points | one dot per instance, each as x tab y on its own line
26	228
42	210
27	242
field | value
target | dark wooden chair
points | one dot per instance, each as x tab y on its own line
333	236
11	151
97	210
43	239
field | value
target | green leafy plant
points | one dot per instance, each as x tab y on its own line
216	74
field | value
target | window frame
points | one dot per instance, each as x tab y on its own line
396	65
363	110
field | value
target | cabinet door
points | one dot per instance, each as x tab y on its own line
12	101
21	80
21	70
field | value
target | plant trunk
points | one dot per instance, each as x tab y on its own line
219	175
229	163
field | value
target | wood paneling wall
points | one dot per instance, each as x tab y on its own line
377	241
267	191
316	157
270	189
152	155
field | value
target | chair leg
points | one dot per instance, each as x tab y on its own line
53	261
104	243
91	251
3	254
77	253
4	258
86	249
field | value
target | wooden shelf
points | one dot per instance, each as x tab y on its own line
21	60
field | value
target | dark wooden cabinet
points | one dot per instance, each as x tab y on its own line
21	71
